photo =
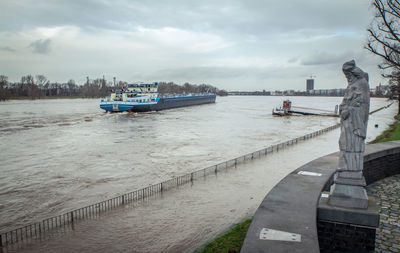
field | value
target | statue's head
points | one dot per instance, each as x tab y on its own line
352	72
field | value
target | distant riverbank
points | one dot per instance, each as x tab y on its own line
49	97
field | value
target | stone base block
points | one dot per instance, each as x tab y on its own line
349	178
348	196
347	229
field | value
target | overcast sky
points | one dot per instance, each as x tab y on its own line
234	45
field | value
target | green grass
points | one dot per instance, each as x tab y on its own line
391	134
231	241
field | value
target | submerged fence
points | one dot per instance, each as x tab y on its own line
38	229
381	108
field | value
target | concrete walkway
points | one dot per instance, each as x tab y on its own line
387	194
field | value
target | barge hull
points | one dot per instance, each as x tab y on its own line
169	103
163	103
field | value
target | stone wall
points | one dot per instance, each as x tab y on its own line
381	168
338	235
341	237
291	209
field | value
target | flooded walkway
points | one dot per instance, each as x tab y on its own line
184	218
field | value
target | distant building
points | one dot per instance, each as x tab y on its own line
382	91
310	84
288	92
277	93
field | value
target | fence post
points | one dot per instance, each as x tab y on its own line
123	199
72	217
1	241
191	177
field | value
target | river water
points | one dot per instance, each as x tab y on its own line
58	155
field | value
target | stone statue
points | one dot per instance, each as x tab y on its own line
348	188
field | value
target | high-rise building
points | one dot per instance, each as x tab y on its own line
310	84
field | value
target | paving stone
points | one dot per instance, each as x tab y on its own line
386	231
387	194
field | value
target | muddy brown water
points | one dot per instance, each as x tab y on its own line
58	155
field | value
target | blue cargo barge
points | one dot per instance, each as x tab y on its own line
144	98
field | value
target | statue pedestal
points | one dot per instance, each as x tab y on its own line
348	196
347	229
348	190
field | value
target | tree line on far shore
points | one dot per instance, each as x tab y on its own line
172	88
40	87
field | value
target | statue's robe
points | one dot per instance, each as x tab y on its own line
354	112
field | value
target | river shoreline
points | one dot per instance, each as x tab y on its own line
48	98
234	236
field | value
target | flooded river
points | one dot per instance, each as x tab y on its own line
59	155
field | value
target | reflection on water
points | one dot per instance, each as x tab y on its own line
58	155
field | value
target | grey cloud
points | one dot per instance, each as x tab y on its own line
221	73
323	58
193	73
232	18
268	29
7	48
41	46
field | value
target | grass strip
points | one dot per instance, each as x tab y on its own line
231	241
390	134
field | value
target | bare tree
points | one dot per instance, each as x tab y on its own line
71	87
384	38
3	79
103	88
41	81
3	87
27	86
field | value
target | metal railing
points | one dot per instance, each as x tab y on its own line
381	108
38	229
